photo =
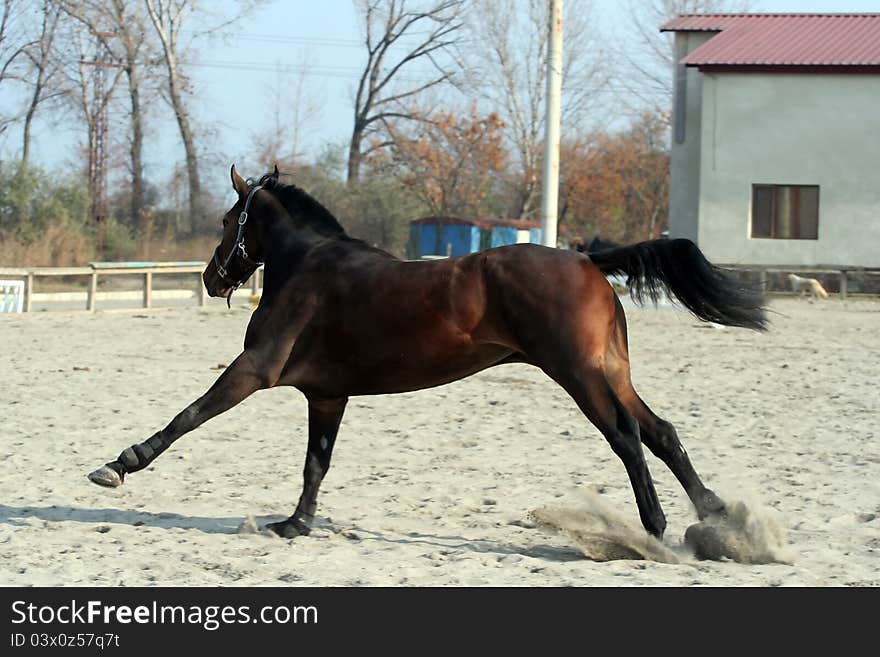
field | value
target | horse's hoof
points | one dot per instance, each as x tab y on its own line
106	476
287	529
711	505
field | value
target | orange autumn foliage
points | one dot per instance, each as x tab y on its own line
616	186
450	162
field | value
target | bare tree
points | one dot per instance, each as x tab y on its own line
130	50
649	55
290	109
130	25
43	69
79	50
14	42
168	18
387	80
506	65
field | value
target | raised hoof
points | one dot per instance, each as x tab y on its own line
106	476
289	529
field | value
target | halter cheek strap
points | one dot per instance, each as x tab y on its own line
237	249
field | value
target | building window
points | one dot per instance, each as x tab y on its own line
785	212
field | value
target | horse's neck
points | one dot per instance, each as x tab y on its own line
286	249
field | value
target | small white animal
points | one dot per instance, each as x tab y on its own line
806	286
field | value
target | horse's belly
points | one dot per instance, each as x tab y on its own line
369	373
415	375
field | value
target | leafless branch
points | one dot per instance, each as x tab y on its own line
387	23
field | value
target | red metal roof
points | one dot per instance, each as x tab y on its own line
783	39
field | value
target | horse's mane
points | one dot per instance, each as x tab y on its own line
298	200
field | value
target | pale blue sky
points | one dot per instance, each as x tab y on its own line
234	80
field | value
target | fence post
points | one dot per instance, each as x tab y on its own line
843	282
255	280
148	289
29	292
202	291
93	290
763	278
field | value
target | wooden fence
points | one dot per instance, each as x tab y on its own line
146	270
842	272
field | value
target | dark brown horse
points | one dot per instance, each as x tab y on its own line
339	318
595	245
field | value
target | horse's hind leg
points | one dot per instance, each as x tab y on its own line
324	419
574	356
238	381
660	437
595	397
657	434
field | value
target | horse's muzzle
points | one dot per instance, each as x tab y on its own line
214	284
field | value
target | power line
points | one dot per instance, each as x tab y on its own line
348	72
320	40
303	41
323	70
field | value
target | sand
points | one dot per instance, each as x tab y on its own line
439	487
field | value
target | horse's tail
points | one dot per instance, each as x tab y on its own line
679	268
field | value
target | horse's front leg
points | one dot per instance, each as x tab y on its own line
242	378
324	418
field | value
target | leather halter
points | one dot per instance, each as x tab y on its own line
239	250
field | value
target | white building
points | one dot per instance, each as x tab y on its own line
776	138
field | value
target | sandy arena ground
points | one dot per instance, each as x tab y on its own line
435	487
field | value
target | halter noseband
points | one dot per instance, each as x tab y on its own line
238	248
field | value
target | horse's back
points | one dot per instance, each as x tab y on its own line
550	276
550	296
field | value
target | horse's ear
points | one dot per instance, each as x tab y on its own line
238	183
276	173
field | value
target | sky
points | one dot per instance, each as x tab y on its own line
235	83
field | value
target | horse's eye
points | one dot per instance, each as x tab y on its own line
225	222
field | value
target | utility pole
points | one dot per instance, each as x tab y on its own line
550	196
98	143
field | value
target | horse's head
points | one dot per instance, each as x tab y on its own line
239	253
